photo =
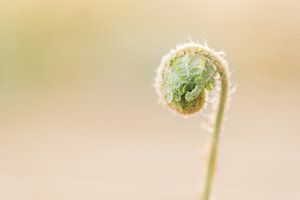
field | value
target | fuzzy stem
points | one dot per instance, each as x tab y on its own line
214	138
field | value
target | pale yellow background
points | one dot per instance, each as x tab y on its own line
79	118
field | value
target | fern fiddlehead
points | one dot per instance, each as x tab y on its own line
185	76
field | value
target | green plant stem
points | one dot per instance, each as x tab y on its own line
214	140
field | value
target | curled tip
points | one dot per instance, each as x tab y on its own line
185	75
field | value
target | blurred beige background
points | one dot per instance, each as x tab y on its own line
79	118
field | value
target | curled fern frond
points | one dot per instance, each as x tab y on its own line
184	78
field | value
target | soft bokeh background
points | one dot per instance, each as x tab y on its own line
79	118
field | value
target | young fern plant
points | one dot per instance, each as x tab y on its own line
184	79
